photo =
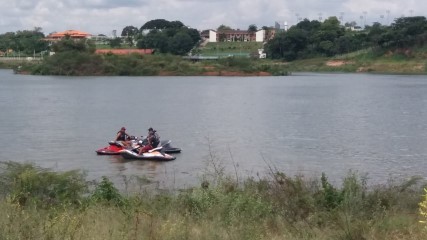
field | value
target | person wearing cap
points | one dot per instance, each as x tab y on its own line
123	137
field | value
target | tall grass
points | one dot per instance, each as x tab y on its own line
230	48
276	206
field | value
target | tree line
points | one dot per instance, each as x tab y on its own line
162	35
304	40
24	42
313	38
159	34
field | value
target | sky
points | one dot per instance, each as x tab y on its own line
104	16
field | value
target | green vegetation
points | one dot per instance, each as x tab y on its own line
23	43
164	36
310	39
409	61
77	58
37	203
224	49
423	209
311	46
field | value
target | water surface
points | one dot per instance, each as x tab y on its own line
301	124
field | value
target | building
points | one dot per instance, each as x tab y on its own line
235	36
73	34
262	35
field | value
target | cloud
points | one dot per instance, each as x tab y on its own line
104	16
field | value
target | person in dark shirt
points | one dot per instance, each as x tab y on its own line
153	140
123	137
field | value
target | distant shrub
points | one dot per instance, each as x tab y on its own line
25	183
423	209
105	192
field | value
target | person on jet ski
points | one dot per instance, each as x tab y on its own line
123	137
153	140
155	137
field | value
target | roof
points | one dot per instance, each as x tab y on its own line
124	51
71	33
232	31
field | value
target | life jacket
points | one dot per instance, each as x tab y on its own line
154	140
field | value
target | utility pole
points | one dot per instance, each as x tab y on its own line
341	18
388	14
364	21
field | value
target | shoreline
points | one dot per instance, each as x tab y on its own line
258	68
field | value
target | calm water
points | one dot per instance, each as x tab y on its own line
306	123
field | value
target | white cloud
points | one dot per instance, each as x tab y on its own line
103	16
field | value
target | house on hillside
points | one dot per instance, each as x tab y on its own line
73	34
261	35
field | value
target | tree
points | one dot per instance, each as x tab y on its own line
168	37
194	34
327	47
181	43
252	28
115	42
375	33
309	26
344	44
407	31
161	24
175	24
26	41
157	40
223	27
70	45
410	25
350	24
130	33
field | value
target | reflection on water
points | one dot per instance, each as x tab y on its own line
307	123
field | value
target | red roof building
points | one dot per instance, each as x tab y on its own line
124	51
74	34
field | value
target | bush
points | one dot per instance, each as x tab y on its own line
25	183
105	192
423	209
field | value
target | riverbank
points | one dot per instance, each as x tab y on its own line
40	204
86	64
397	62
413	62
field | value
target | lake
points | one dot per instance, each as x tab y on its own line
301	124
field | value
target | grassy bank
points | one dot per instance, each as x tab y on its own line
12	64
86	64
412	61
223	49
41	204
404	61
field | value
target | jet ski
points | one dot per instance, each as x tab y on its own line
168	148
165	145
115	147
155	155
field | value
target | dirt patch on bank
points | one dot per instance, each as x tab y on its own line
419	68
337	63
